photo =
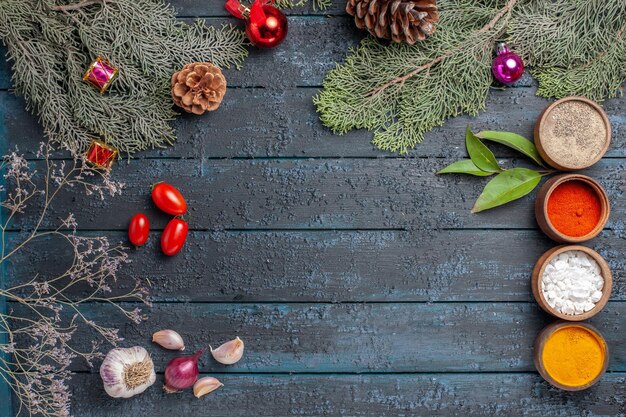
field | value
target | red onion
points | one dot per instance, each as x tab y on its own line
181	372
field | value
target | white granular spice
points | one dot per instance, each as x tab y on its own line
572	282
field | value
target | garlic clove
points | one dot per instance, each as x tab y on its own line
228	353
168	339
205	385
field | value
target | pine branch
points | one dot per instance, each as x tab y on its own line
85	3
400	92
403	91
575	48
289	4
400	80
142	37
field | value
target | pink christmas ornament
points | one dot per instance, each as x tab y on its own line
507	66
101	74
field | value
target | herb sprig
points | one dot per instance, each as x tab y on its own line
508	184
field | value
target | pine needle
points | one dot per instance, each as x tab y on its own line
400	92
51	44
455	77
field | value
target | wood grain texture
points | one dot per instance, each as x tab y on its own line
313	194
434	309
356	337
363	396
261	122
331	266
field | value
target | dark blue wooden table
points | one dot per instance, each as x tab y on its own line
359	280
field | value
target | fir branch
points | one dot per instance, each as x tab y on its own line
565	33
51	45
76	6
423	84
599	79
506	9
289	4
400	92
574	48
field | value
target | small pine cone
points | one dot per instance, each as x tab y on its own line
399	20
198	87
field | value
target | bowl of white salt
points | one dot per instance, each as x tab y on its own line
572	133
572	282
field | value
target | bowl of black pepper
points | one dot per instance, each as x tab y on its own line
572	133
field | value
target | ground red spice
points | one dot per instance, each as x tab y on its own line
574	208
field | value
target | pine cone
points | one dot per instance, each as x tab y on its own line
198	87
399	20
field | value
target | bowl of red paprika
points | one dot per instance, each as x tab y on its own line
572	208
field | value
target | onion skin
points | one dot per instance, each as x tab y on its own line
181	373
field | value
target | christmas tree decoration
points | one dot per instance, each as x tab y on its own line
100	154
507	67
141	37
101	74
198	87
266	26
400	92
399	20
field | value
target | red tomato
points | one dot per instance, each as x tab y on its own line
169	199
138	229
174	236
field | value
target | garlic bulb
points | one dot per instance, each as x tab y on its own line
229	352
205	385
168	339
127	372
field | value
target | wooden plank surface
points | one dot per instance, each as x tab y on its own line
259	122
364	396
331	258
356	337
314	194
332	266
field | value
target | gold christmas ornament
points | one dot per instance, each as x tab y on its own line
399	20
198	87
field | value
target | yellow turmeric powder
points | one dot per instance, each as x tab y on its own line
573	356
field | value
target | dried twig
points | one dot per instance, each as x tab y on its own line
38	336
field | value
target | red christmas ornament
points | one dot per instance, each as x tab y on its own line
266	26
100	154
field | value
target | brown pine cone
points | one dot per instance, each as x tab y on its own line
399	20
198	87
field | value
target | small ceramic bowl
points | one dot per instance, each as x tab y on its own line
540	341
544	122
541	208
540	267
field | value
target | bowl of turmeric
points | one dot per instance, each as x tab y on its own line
572	208
571	356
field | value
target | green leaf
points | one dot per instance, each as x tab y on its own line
507	186
515	141
481	155
465	166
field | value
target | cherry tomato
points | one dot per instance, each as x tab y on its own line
169	199
138	229
174	236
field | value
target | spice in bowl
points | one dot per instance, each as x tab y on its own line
572	133
574	208
572	283
571	356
